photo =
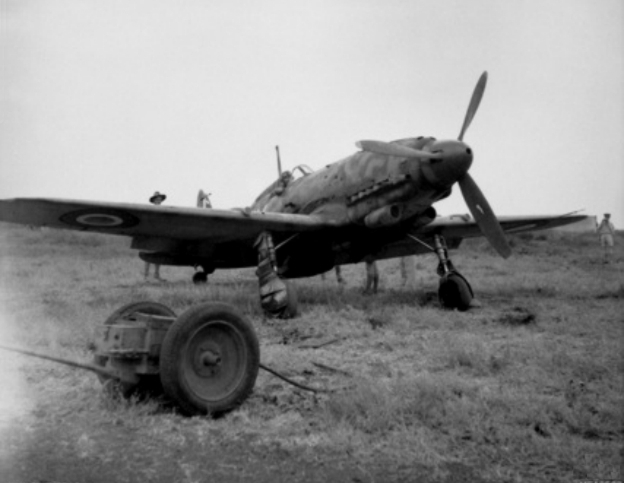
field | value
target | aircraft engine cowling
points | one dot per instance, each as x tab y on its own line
384	217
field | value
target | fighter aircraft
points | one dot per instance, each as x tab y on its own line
376	203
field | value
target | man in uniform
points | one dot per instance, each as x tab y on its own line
372	275
203	200
606	232
156	199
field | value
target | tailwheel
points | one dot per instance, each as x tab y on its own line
131	384
200	278
455	292
209	359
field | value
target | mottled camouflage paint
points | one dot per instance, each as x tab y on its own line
362	184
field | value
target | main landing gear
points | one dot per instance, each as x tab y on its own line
454	291
277	297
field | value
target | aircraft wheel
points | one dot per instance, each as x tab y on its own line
290	309
455	292
200	278
292	305
148	385
209	359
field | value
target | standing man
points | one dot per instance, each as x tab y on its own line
606	232
203	200
407	270
372	275
339	278
156	199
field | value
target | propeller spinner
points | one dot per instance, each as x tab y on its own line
473	196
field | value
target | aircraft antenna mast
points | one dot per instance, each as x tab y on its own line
279	162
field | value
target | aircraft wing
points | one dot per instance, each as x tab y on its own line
465	227
455	228
137	220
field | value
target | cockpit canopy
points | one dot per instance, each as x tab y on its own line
301	170
298	172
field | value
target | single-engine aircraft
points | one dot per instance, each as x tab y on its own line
376	203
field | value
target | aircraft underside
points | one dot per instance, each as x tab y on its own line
298	256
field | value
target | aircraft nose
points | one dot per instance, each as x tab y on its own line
454	163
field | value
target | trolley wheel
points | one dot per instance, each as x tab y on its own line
455	292
209	359
148	385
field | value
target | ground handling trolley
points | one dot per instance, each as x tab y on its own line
205	361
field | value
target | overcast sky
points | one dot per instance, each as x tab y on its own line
112	100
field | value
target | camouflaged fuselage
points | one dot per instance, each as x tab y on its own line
355	189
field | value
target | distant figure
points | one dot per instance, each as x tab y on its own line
407	270
606	232
203	200
372	275
285	178
339	274
339	278
156	199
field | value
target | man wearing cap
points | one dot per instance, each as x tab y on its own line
606	231
156	199
203	200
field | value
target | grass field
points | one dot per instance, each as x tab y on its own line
528	386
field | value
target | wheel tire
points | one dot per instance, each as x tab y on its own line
148	385
455	292
292	306
291	309
200	278
209	359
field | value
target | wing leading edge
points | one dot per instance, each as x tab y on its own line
179	223
455	228
192	230
465	227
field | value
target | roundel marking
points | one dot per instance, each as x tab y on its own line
100	218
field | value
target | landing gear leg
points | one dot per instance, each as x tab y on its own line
454	291
277	298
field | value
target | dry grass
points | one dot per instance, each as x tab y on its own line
527	387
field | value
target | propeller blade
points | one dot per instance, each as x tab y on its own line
474	104
484	216
391	149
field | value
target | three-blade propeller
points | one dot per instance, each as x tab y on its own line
477	203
